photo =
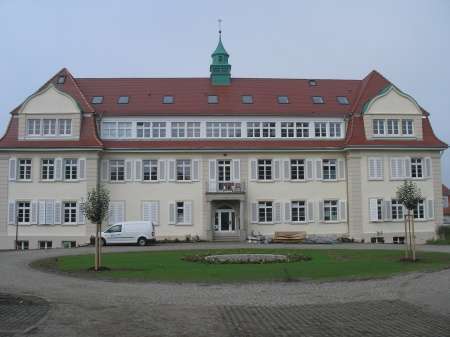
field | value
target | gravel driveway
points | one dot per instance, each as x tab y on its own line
399	306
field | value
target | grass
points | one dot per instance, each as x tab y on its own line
439	242
325	265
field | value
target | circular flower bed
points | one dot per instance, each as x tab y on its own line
246	258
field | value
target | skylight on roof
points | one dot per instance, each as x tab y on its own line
97	99
283	99
213	99
312	83
317	99
168	100
342	100
247	99
61	79
123	100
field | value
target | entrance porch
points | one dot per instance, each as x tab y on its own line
227	220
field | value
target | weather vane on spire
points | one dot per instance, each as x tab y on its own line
220	26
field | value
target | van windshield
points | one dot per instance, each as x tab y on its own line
114	229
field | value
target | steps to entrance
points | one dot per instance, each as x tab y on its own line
232	237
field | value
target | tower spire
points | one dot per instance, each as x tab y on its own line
220	68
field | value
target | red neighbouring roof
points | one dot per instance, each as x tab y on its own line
146	94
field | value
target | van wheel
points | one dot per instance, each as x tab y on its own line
142	242
103	242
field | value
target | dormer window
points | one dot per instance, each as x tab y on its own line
168	100
312	83
123	100
34	127
317	99
283	99
49	128
343	100
213	99
61	79
247	99
97	100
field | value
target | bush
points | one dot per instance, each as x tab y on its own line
443	232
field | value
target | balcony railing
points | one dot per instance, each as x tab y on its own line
225	187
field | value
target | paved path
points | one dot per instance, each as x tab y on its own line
399	306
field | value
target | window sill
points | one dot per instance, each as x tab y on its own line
70	224
375	179
183	224
265	223
22	180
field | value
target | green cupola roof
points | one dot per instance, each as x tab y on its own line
220	49
220	68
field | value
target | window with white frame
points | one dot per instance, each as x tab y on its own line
297	169
378	127
330	210
376	209
193	129
416	168
124	129
33	127
380	209
65	127
159	129
178	129
407	127
117	170
24	169
419	210
70	212
335	129
48	169
329	169
49	127
109	129
23	212
223	129
143	129
392	127
183	169
44	244
294	129
298	211
375	169
261	129
264	169
23	244
70	169
265	211
150	170
180	212
396	209
320	129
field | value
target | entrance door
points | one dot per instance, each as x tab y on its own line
224	174
225	220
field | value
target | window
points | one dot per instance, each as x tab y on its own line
264	169
320	129
335	129
407	127
65	127
392	127
375	169
97	99
397	210
297	169
329	169
24	169
213	99
150	170
123	100
330	210
294	129
193	129
48	169
377	239
143	129
70	212
378	127
380	209
416	168
247	99
61	79
23	212
49	128
265	211
183	169
261	129
312	83
159	129
223	129
23	244
125	129
180	212
178	129
117	170
376	209
343	100
283	99
109	129
298	211
68	244
34	127
70	169
398	240
317	99
114	229
45	244
168	100
419	210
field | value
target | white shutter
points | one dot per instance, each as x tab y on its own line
12	212
342	210
188	213
379	168
58	212
393	167
81	217
254	214
172	168
82	168
276	163
310	211
212	167
150	212
195	170
387	210
105	170
34	212
172	213
128	169
277	217
253	169
375	168
116	212
309	169
430	209
49	212
42	212
407	171
398	167
371	168
373	209
287	169
138	170
12	169
236	170
161	170
427	167
319	169
341	169
287	212
58	169
321	217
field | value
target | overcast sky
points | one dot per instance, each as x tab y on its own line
407	41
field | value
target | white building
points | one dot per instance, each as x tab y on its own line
218	157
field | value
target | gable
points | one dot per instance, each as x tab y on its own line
392	101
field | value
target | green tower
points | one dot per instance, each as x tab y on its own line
220	68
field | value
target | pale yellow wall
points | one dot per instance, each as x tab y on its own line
50	101
393	102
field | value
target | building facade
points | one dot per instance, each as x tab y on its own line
218	158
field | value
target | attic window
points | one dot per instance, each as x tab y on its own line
283	99
213	99
97	100
247	99
168	100
61	79
317	99
343	100
312	83
123	100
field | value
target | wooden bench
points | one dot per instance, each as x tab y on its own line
289	237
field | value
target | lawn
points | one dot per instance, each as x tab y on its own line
324	265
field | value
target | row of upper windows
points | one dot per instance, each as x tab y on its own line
391	127
400	168
138	129
49	127
393	210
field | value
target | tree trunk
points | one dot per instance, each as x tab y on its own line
97	248
406	237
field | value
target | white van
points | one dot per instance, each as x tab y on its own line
137	232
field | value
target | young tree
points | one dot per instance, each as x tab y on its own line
96	209
409	195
